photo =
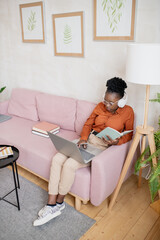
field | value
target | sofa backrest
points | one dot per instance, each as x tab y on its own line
23	104
84	109
57	109
68	113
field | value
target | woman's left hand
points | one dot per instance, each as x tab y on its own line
110	142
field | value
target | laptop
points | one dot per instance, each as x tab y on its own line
4	118
71	149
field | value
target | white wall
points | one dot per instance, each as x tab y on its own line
34	66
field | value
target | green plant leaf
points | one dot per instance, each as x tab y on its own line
104	7
2	89
31	21
155	174
67	34
154	180
154	187
156	99
139	162
120	5
113	10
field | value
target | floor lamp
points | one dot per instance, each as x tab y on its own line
143	67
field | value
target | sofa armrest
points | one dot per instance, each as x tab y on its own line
4	107
105	172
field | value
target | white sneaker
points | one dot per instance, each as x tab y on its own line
47	214
61	206
42	210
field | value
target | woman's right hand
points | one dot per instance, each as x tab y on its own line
110	141
82	143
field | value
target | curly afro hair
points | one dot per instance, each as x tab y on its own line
116	85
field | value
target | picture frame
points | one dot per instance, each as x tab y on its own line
114	20
32	22
68	34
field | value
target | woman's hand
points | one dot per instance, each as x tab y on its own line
82	143
110	142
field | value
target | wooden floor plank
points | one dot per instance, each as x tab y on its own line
143	225
154	234
123	217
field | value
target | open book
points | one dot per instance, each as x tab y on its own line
112	133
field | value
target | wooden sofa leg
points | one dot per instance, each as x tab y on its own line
77	203
85	201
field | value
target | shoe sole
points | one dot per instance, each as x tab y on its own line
47	219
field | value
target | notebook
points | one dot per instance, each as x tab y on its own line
5	152
44	127
71	149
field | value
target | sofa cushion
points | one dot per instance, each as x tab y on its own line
23	104
56	109
36	152
84	109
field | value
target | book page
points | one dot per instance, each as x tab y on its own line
126	132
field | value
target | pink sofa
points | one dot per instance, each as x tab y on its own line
26	107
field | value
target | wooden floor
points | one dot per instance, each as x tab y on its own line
131	217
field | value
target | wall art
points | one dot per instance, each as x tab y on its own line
114	19
32	22
68	34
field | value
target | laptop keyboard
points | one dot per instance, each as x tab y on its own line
86	155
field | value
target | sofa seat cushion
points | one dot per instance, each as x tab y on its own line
18	132
36	152
56	109
23	104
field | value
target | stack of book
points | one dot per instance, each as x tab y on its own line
5	152
42	128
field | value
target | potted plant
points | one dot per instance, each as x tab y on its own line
154	182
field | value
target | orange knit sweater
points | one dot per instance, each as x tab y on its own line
101	118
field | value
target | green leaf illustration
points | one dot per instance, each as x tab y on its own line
67	34
113	10
32	21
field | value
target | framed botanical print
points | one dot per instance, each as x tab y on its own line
32	22
68	34
114	19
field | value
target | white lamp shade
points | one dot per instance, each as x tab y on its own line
143	64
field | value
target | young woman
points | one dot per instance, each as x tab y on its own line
112	112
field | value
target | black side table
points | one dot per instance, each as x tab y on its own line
11	160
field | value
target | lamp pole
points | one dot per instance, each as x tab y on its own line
144	126
142	68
